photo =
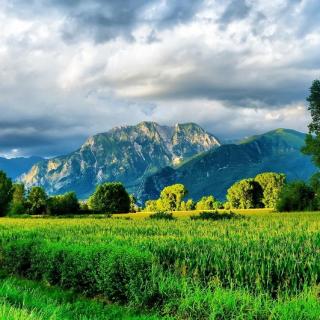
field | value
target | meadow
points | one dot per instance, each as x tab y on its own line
262	265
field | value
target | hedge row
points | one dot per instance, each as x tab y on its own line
119	274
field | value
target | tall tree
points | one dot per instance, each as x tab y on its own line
312	143
18	203
5	193
271	184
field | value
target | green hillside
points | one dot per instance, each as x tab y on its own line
215	171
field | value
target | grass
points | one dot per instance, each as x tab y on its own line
28	300
263	266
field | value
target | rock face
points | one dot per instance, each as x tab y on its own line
126	154
213	172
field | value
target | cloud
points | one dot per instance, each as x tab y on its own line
69	69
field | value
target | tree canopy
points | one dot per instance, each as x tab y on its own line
110	197
5	193
245	194
312	143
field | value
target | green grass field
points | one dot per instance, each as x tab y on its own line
262	266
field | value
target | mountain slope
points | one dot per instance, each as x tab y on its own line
14	167
215	171
123	154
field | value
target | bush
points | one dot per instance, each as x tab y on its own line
296	196
110	197
162	215
214	216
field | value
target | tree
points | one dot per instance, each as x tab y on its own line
37	201
151	206
172	196
110	197
312	142
271	184
206	203
245	194
64	204
133	204
296	196
5	193
18	203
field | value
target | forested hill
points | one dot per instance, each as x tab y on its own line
215	171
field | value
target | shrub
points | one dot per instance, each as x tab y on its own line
162	215
214	216
296	196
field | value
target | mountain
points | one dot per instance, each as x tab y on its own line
14	167
213	172
125	154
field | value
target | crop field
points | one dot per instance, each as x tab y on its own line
263	265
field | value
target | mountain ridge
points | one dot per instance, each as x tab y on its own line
124	153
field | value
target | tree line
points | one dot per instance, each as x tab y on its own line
266	190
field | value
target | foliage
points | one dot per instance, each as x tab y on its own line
208	203
172	196
64	204
18	202
216	215
171	199
312	142
5	193
188	205
296	196
133	204
30	300
37	201
110	197
271	184
245	194
162	215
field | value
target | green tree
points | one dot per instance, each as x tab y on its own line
206	203
133	204
245	194
37	201
110	197
271	184
172	196
5	193
312	142
151	206
64	204
296	196
18	203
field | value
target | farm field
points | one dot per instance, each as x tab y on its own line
262	266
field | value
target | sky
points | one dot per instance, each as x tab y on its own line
72	68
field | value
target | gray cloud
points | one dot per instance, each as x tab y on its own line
69	69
